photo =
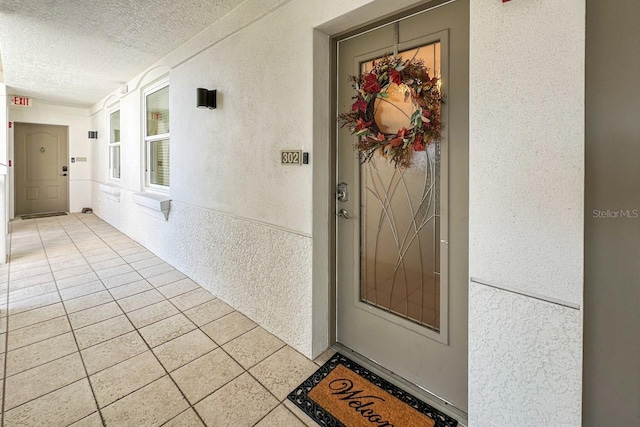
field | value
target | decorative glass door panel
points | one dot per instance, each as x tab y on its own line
400	215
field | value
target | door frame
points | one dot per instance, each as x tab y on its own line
11	175
324	172
324	125
460	328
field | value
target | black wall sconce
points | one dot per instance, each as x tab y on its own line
93	134
206	98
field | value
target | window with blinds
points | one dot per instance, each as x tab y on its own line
114	145
157	137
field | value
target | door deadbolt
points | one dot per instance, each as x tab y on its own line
342	193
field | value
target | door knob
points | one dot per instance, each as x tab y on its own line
342	213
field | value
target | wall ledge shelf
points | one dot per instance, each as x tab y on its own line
156	205
111	190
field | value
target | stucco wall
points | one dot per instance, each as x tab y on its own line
225	163
526	172
526	211
4	182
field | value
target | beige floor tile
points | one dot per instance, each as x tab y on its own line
87	301
23	305
39	353
153	313
137	256
253	347
152	405
192	298
129	289
135	302
182	350
208	312
133	250
166	278
228	327
166	329
81	290
32	291
108	263
103	331
92	420
72	272
76	280
31	281
283	371
206	374
155	270
242	402
3	347
92	315
38	332
36	316
60	408
58	246
177	288
280	417
119	240
126	377
57	266
188	418
44	269
106	256
121	279
145	263
17	266
300	414
112	352
27	257
43	379
114	271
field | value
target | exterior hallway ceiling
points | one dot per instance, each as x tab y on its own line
77	52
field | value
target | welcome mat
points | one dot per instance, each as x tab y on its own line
42	215
344	394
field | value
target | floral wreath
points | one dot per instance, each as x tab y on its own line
413	76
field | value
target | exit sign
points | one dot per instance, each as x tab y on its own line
21	101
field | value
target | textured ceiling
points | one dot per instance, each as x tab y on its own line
78	51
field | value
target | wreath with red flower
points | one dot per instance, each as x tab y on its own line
425	125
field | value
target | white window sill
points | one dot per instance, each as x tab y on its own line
156	205
112	191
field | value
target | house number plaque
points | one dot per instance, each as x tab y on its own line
291	157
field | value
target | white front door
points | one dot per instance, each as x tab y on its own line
402	236
41	175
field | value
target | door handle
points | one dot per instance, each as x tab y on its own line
63	174
342	213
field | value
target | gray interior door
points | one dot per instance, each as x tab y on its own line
41	178
402	241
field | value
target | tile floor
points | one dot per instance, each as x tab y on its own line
95	330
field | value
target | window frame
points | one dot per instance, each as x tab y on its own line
111	145
147	140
